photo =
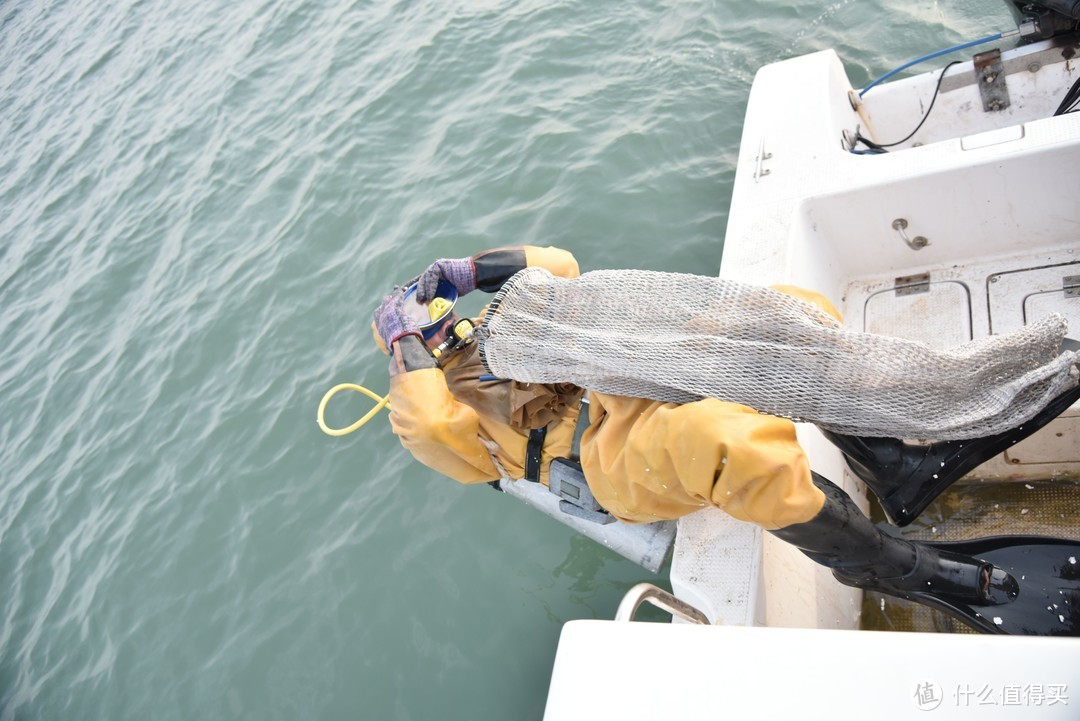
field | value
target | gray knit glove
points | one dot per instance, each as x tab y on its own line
459	272
391	320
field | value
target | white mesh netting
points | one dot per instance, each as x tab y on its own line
679	338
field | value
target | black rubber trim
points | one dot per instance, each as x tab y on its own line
533	454
494	267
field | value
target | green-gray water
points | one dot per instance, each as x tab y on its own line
200	205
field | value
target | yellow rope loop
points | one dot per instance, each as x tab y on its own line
381	402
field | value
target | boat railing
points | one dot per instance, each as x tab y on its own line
665	601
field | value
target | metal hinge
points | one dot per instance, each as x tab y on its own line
760	171
1071	285
912	284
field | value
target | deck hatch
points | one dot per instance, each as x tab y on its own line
918	308
1020	297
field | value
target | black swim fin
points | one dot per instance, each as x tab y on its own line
1047	571
907	477
1007	584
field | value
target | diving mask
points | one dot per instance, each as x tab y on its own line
430	316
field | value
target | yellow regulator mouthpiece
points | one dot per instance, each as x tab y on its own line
464	329
438	307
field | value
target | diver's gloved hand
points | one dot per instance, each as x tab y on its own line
459	272
391	320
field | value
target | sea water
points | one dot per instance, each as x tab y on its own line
201	203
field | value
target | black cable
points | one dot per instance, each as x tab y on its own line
878	148
1069	102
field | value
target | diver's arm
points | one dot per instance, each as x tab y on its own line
494	267
489	270
440	432
410	354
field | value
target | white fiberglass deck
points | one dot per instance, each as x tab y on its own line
650	671
996	195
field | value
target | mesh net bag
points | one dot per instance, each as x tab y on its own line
679	338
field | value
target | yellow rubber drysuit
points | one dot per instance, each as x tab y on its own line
644	460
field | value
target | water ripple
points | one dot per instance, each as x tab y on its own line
200	204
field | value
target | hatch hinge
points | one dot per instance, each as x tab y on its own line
760	171
990	77
1071	285
912	284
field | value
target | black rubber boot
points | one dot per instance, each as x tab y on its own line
907	477
843	539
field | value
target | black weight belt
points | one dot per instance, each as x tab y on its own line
535	447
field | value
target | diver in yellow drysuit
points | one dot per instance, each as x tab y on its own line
646	460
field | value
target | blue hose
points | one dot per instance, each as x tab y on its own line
931	56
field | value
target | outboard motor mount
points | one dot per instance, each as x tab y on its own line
1042	19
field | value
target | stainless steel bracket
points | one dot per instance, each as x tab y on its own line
760	171
912	284
990	76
